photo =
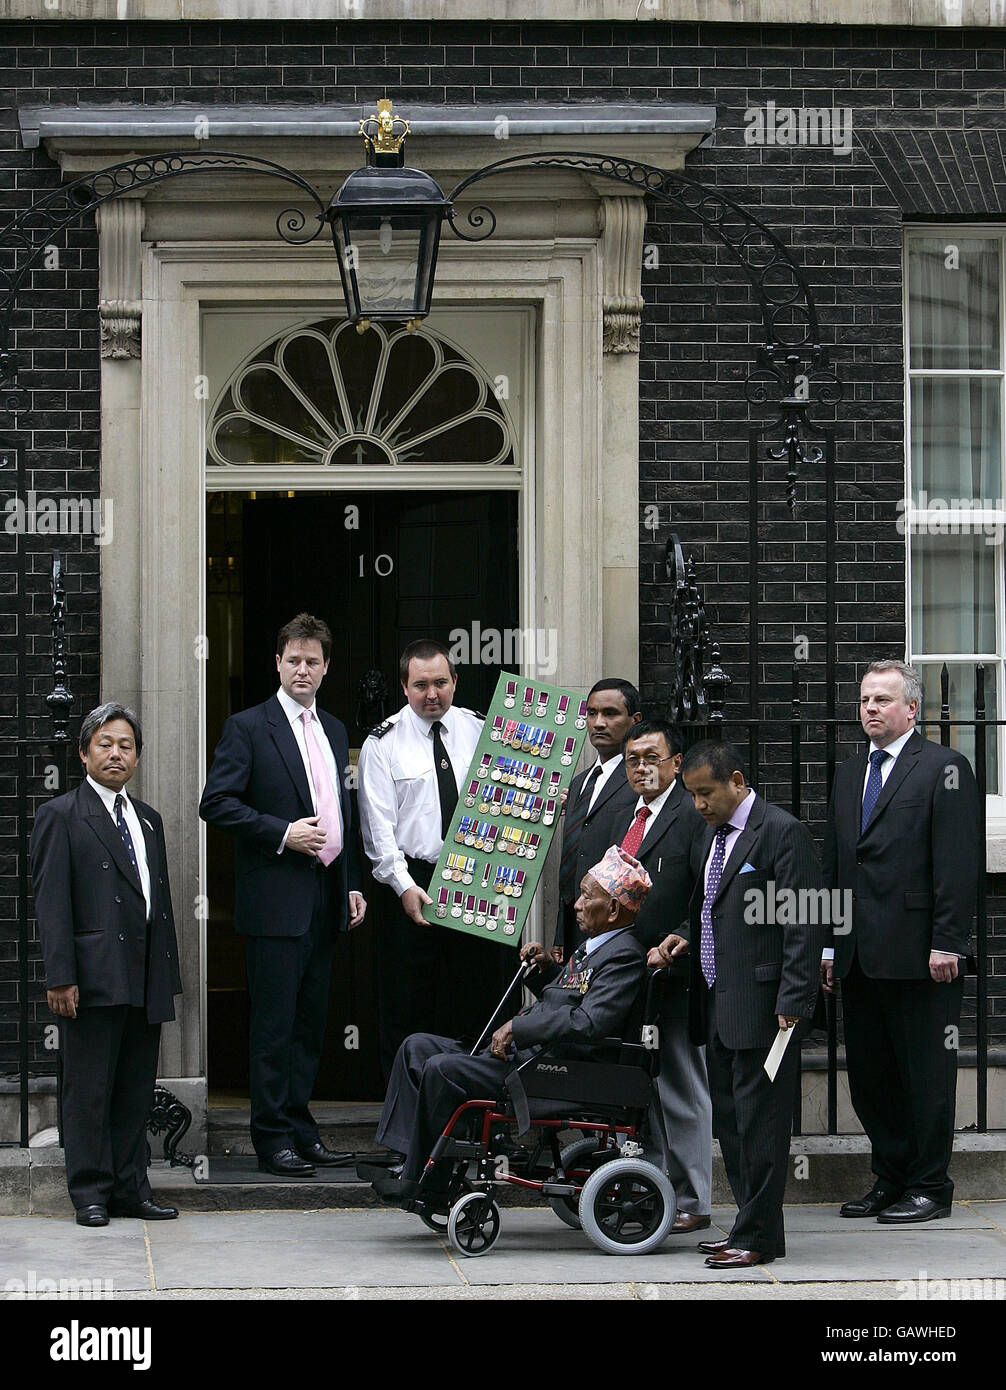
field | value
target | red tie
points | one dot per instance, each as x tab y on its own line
634	834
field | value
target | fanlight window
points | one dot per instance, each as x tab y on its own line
327	395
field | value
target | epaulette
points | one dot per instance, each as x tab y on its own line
381	729
479	715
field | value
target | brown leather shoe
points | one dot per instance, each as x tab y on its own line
713	1247
729	1258
686	1221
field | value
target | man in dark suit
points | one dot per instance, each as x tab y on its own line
100	875
902	842
595	795
278	784
756	921
578	1006
660	829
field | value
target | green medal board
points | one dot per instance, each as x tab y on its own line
508	809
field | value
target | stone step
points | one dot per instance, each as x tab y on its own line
345	1128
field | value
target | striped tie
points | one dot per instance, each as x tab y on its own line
127	839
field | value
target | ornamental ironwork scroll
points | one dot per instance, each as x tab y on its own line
696	695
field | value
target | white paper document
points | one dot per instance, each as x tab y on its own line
775	1052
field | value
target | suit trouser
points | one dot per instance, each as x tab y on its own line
683	1119
109	1071
431	1077
903	1076
752	1119
288	981
412	956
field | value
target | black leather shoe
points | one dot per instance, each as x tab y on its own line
395	1191
285	1164
92	1216
144	1211
875	1201
912	1208
322	1157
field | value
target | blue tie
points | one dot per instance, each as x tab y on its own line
127	839
707	947
874	785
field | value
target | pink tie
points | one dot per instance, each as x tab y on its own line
327	809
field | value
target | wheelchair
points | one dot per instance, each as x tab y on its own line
599	1182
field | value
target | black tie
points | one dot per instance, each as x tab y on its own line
446	784
127	839
574	963
571	834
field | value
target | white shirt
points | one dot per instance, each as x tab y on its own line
398	790
135	831
293	711
887	766
656	806
606	770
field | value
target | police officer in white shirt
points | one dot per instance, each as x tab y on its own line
410	769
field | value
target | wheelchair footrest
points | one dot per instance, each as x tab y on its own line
558	1189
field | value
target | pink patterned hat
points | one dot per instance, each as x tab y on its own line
623	877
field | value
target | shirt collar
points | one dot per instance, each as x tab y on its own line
893	749
657	804
739	819
292	708
108	795
593	942
424	727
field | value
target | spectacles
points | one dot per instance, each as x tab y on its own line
648	760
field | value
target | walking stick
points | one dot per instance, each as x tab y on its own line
523	969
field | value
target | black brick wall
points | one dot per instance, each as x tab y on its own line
840	215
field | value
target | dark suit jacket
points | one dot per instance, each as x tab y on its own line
666	855
914	871
766	967
92	917
595	837
256	787
576	1012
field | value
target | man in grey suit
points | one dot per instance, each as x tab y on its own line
660	829
578	1007
100	874
754	974
903	843
595	796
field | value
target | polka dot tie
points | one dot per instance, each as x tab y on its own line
127	839
707	947
634	834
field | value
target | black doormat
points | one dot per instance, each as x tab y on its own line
243	1168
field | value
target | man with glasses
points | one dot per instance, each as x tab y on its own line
660	829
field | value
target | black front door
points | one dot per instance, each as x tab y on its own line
381	569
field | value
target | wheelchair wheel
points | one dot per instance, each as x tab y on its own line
582	1157
627	1207
437	1221
473	1226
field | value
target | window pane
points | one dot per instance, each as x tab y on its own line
962	706
953	302
953	594
956	448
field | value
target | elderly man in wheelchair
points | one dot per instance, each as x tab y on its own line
576	1060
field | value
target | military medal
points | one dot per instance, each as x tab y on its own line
456	905
580	722
495	801
480	915
510	698
545	752
554	778
528	698
491	831
497	771
467	869
532	845
534	780
493	917
567	752
542	705
510	925
471	793
469	916
442	896
497	729
548	815
487	871
520	848
560	713
536	808
518	882
484	765
448	869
